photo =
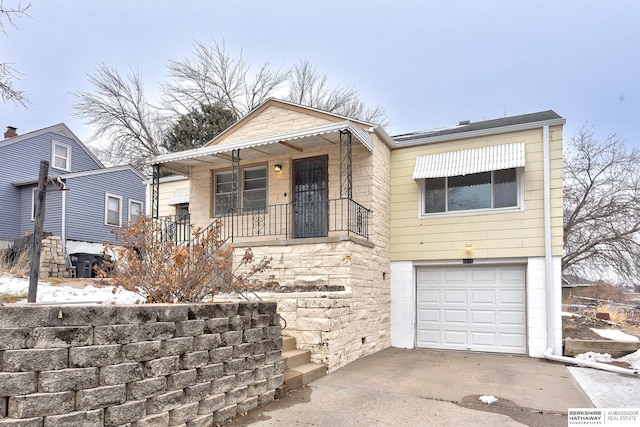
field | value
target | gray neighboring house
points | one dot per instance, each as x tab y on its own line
94	199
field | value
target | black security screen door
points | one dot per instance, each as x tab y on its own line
310	196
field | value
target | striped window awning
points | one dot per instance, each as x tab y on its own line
464	162
180	197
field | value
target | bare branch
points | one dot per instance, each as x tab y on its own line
601	205
117	109
8	75
308	87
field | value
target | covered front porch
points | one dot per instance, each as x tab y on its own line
308	173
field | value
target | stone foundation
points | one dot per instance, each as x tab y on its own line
161	365
338	327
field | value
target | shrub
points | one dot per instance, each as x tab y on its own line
142	260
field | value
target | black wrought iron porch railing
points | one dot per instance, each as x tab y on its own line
284	221
174	228
298	220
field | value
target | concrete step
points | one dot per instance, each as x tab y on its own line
295	358
299	371
303	375
288	343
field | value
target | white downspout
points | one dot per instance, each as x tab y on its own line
63	228
548	270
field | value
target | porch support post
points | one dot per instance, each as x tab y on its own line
155	192
235	168
345	165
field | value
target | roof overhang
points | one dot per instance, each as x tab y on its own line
291	142
475	160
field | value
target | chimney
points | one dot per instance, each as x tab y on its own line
10	132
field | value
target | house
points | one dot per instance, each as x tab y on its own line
85	200
380	241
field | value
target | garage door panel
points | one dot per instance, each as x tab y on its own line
507	296
454	338
483	340
484	296
512	318
513	341
454	296
512	275
458	275
478	308
484	317
454	317
426	315
429	296
430	337
483	275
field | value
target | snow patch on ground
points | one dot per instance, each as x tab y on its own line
615	335
632	359
488	399
595	357
48	293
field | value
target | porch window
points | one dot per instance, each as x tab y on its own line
485	190
113	210
252	190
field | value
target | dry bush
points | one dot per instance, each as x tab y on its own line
15	263
163	272
606	291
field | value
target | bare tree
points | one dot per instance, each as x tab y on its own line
308	87
601	208
8	75
118	110
212	77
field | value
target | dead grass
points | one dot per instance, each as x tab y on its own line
16	265
9	298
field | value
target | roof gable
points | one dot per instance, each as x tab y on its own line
60	129
275	117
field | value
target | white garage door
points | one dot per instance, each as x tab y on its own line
480	308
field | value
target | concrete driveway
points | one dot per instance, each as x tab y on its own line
425	387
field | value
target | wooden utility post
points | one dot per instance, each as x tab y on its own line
38	231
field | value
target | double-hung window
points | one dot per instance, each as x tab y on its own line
61	156
250	194
135	210
113	210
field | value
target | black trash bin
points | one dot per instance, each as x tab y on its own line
84	264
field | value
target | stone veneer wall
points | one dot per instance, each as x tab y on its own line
150	365
337	327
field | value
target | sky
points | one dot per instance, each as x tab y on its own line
428	64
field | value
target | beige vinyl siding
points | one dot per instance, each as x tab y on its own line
513	234
167	190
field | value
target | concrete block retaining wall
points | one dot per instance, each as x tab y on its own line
192	365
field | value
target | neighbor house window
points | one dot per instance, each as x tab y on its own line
113	210
484	190
61	156
135	210
251	193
